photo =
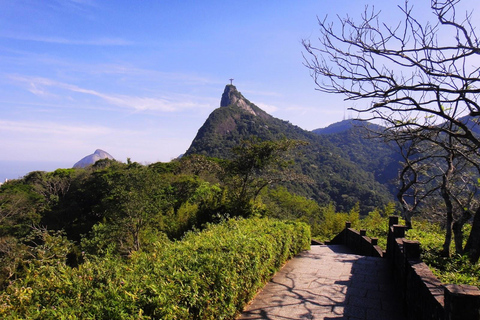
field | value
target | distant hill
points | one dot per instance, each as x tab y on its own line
346	125
356	142
337	127
92	158
337	178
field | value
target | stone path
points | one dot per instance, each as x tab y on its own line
327	282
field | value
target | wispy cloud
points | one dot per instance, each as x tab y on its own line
267	107
30	127
33	88
38	85
59	40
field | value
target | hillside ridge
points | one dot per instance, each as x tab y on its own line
336	177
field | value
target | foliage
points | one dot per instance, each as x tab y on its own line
282	204
207	275
41	248
375	223
19	207
334	222
456	269
356	140
256	165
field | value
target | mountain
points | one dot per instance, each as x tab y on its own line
336	177
347	125
357	142
236	120
92	158
337	127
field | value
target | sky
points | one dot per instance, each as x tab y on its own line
139	78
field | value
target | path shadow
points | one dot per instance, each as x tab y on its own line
338	248
370	290
363	290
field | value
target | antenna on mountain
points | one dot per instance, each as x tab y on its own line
344	112
231	81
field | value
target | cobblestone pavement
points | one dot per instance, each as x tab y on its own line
328	283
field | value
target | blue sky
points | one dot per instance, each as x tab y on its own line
138	78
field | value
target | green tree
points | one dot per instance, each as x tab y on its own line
20	207
282	204
255	166
135	204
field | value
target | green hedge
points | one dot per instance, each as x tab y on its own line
208	275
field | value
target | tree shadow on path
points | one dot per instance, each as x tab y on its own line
328	283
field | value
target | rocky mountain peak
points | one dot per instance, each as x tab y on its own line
231	96
92	158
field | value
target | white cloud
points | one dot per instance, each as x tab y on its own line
267	107
69	142
30	127
81	42
38	85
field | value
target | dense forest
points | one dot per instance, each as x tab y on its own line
101	222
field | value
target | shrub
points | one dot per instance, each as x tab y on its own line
208	275
456	269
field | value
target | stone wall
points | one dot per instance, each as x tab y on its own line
358	242
424	296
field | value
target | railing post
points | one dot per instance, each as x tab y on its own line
363	232
398	231
462	302
392	220
348	225
411	249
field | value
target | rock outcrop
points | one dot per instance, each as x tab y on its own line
92	158
231	96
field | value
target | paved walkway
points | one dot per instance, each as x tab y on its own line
328	283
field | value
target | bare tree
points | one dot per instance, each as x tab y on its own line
412	76
417	175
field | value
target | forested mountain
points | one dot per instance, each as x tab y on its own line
339	176
357	142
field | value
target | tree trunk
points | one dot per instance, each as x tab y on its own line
448	236
458	232
449	221
458	236
472	248
407	215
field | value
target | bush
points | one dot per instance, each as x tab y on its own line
456	269
334	222
208	275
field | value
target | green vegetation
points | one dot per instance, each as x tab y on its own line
123	241
376	223
456	269
208	275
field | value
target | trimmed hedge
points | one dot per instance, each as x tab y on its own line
208	275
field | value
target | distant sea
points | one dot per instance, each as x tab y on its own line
18	169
